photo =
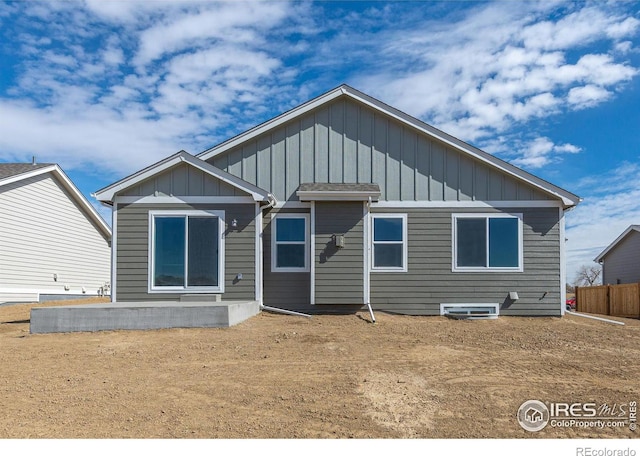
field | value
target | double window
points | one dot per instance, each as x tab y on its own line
290	243
186	251
491	242
389	242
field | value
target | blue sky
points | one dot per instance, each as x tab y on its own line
107	87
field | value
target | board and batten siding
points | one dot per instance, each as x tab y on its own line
287	290
44	232
621	263
183	180
347	142
133	250
339	272
430	280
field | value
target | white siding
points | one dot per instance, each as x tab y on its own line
44	232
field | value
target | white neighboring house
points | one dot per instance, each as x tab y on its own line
53	243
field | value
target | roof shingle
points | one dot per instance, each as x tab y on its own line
15	169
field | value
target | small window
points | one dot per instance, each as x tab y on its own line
290	243
487	242
186	251
389	243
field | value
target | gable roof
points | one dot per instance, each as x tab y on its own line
619	239
15	172
107	194
568	199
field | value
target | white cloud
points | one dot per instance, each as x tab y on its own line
224	21
578	29
540	152
204	61
500	66
587	96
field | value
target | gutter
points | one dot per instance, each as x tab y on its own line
368	272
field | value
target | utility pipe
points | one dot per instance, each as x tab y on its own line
283	311
595	318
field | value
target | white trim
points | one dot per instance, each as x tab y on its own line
366	250
114	252
108	193
291	205
600	257
405	242
257	221
336	196
487	216
274	243
27	175
83	202
151	289
465	204
568	198
312	254
563	265
184	199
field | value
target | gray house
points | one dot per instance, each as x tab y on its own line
336	204
620	259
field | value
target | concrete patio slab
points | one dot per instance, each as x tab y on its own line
140	315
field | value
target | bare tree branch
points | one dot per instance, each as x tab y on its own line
588	276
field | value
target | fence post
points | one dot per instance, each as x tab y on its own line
575	289
608	299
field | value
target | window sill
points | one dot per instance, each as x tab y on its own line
487	270
291	270
389	270
187	290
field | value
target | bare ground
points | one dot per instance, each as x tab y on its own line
277	376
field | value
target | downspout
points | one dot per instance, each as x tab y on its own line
367	298
272	202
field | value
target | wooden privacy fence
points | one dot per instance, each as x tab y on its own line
614	300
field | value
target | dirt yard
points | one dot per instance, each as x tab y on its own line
277	376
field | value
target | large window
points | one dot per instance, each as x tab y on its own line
186	251
487	242
389	242
290	243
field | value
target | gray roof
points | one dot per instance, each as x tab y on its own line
316	187
15	169
632	228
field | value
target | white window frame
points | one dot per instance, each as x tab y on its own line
372	243
274	243
487	216
221	250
